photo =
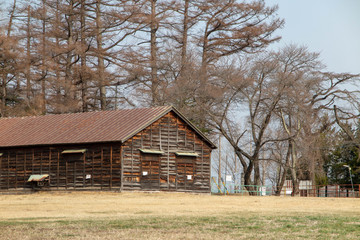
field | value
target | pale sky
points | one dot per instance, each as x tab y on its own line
331	27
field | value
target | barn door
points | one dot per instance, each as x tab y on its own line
185	171
74	167
150	171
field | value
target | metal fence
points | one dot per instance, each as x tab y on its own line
341	190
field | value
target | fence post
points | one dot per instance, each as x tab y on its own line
326	190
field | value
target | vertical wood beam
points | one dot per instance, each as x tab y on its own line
58	169
177	131
132	162
41	159
111	166
185	138
101	164
84	162
141	139
32	161
8	170
122	168
202	160
16	168
92	168
24	168
160	142
66	174
49	164
74	174
168	153
1	171
151	137
209	178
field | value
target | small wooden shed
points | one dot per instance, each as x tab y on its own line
131	149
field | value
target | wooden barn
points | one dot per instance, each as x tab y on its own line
131	149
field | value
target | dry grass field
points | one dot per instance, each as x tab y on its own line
104	215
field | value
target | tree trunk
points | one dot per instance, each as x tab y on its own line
153	56
43	71
294	178
83	78
185	36
3	96
28	55
100	57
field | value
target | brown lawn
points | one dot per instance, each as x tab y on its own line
104	215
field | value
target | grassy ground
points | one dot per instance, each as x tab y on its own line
175	216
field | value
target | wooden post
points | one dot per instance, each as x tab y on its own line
49	162
111	165
168	153
15	169
24	168
202	160
132	162
66	174
32	161
151	137
1	175
160	142
101	167
41	160
185	140
84	175
122	169
74	174
8	171
92	167
58	169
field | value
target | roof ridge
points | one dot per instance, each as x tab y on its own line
74	113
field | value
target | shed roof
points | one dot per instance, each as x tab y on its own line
90	127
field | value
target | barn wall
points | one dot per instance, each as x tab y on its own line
169	134
103	166
98	168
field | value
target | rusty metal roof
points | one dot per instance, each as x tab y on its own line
90	127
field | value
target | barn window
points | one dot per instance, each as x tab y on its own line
151	151
187	154
73	155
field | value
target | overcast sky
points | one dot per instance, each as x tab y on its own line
331	27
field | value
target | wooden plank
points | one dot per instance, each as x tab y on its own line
58	169
15	170
168	154
92	167
111	166
102	162
24	168
84	163
66	174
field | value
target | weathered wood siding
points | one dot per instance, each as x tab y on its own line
112	166
169	134
98	168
